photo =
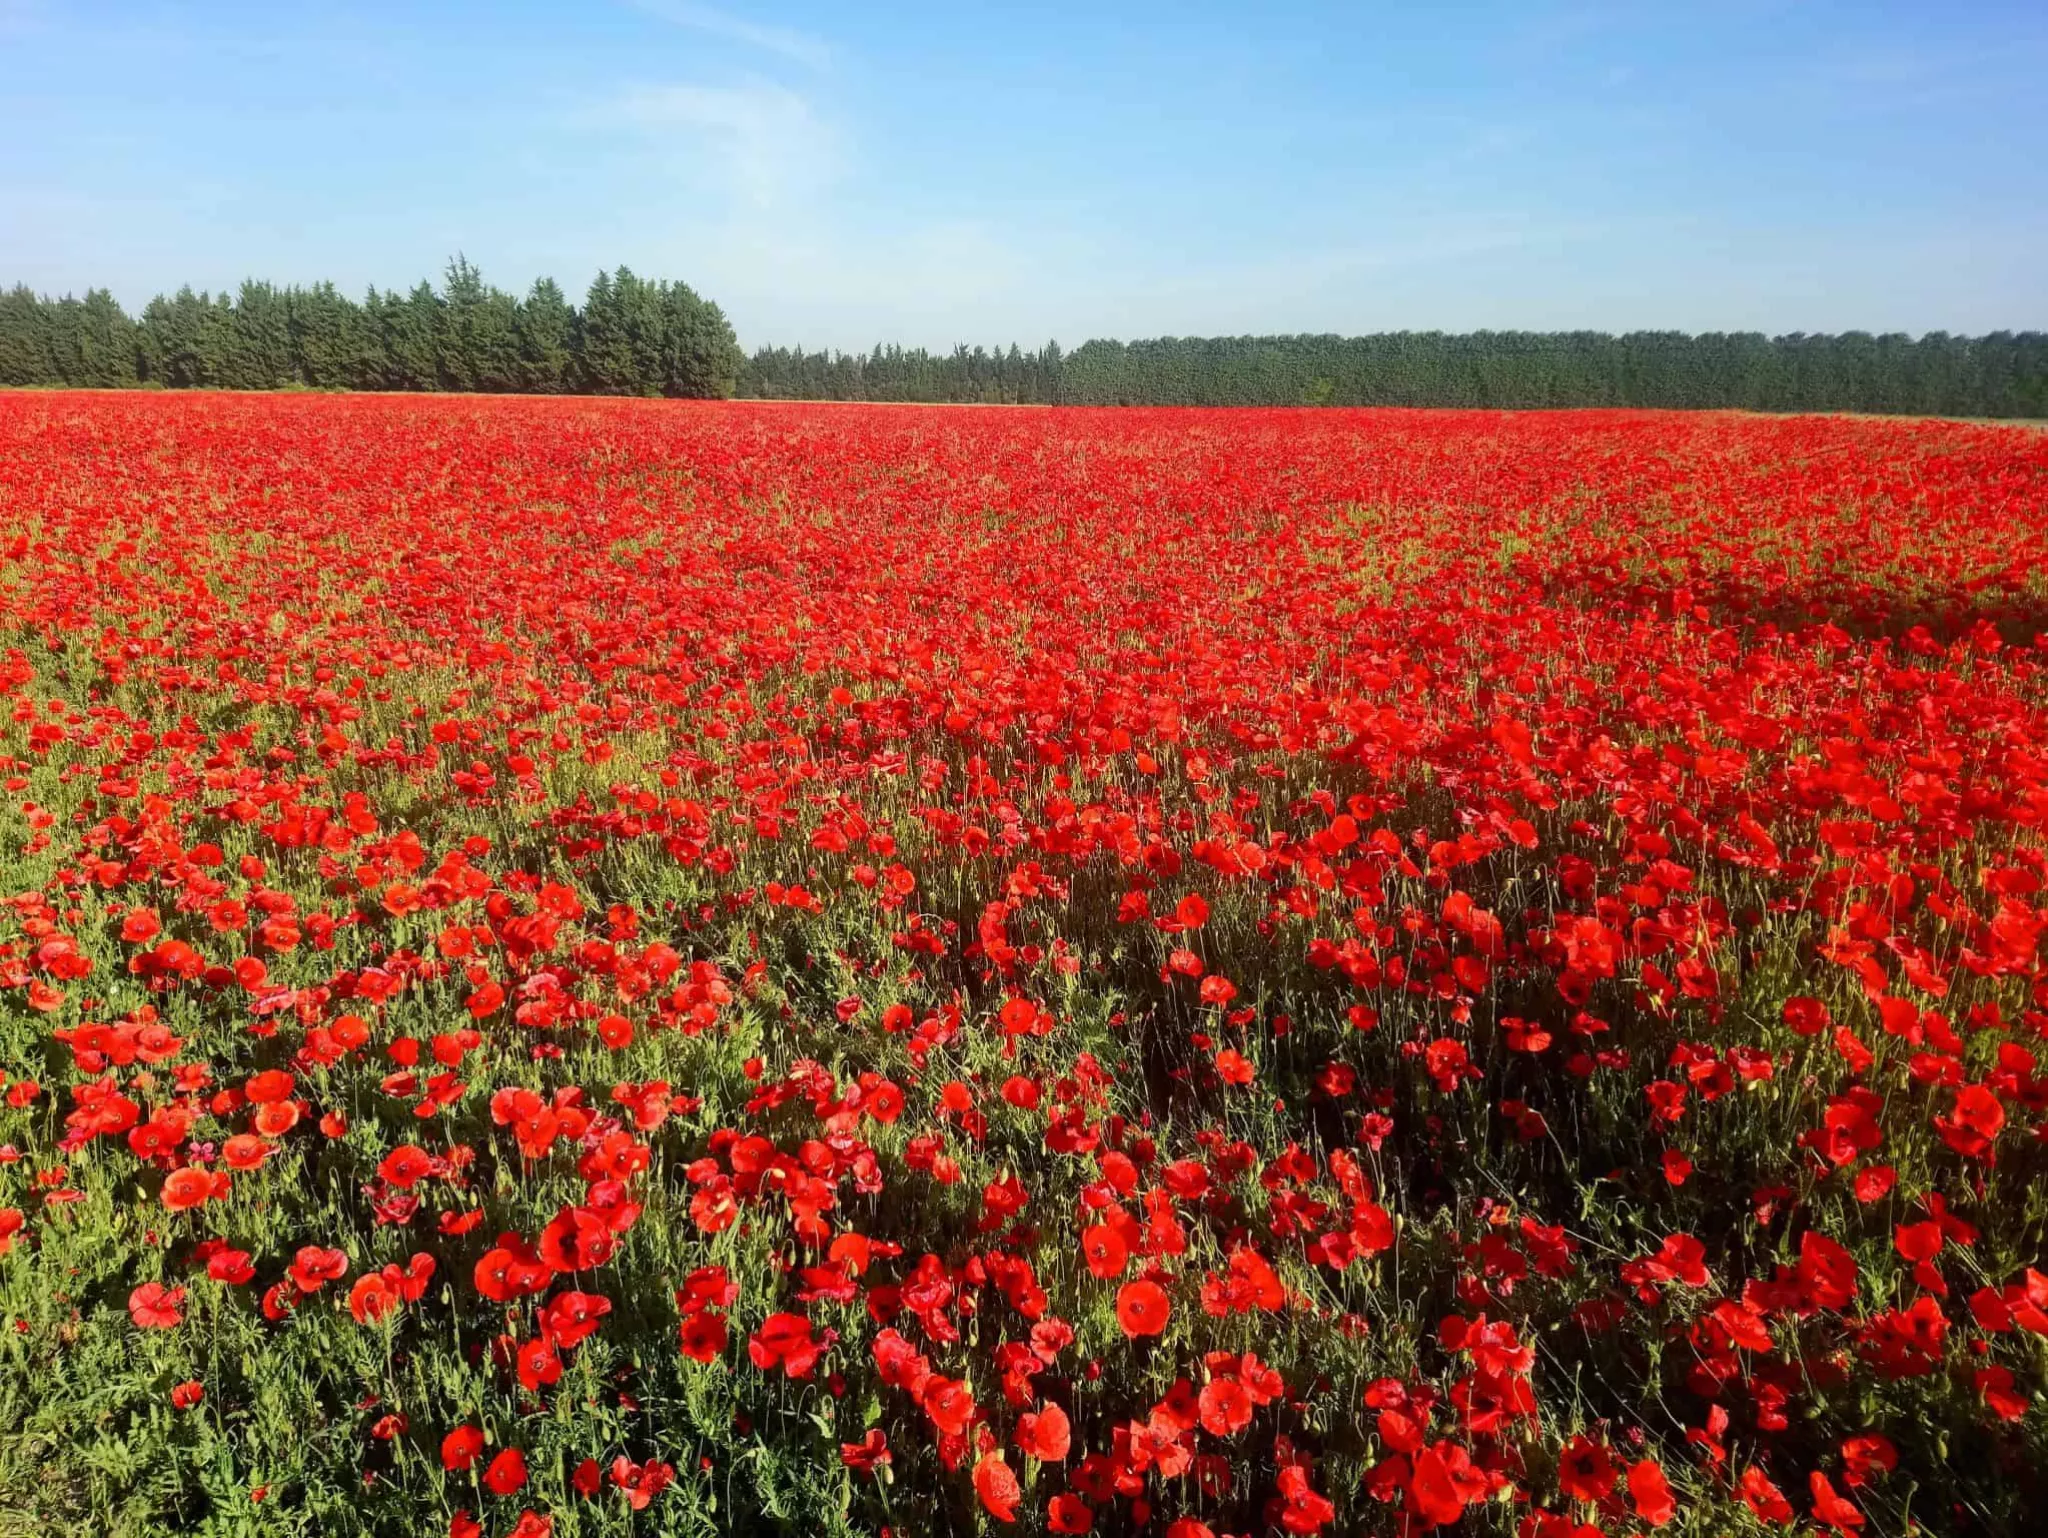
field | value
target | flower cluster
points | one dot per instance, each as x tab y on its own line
572	964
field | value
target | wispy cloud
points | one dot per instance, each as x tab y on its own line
803	47
1419	246
764	141
19	18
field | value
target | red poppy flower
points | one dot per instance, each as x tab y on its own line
506	1473
1830	1507
866	1455
186	1188
704	1336
786	1341
949	1403
154	1306
1142	1308
460	1449
1650	1494
642	1482
405	1166
1765	1498
372	1298
997	1487
1975	1123
1044	1435
1104	1251
538	1365
1304	1509
1585	1472
313	1267
1068	1513
570	1318
1226	1408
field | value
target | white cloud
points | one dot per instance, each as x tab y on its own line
787	41
766	145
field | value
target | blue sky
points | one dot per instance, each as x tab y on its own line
928	173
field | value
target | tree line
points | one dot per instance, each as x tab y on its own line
889	373
635	336
632	336
2004	374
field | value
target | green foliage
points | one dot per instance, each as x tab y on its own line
478	335
635	337
906	374
24	338
89	342
543	330
640	336
2000	375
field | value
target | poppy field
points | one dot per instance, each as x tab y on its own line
578	967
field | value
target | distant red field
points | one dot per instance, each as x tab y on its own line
583	967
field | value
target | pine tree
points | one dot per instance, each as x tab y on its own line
477	333
91	342
700	355
544	328
260	342
410	334
604	348
24	339
330	340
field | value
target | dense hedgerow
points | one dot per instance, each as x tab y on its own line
582	967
